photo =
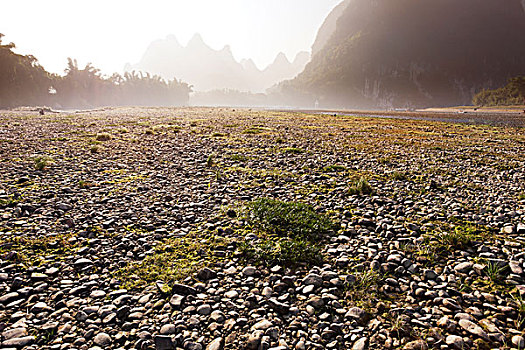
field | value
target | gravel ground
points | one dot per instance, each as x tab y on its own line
138	228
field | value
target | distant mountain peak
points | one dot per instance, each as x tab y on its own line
196	41
172	39
281	59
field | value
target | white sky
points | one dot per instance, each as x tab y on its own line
110	33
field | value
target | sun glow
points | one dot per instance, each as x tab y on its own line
112	33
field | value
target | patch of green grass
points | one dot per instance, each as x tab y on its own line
521	196
290	233
360	187
95	149
334	168
289	219
103	136
30	251
293	150
363	289
398	176
42	162
282	251
174	260
255	130
239	157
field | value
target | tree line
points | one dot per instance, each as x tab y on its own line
24	82
511	94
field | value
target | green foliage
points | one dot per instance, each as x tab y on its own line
210	161
42	162
364	287
290	233
334	168
360	187
289	219
399	176
103	136
174	260
511	94
521	196
293	150
288	252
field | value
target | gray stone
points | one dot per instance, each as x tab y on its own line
206	274
313	279
472	328
360	315
456	342
204	309
168	329
9	297
518	341
262	325
183	289
416	345
216	344
102	339
164	342
464	267
14	333
360	344
249	271
18	342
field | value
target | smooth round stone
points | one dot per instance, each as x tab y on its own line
96	294
249	271
168	329
102	339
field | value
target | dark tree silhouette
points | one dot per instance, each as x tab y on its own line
24	82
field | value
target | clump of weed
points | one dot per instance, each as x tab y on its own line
521	196
85	184
334	168
174	260
149	132
398	176
290	233
293	150
282	251
289	219
460	234
360	186
239	157
104	136
255	130
95	149
218	134
42	162
210	161
362	287
123	130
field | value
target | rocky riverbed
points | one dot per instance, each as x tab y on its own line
237	229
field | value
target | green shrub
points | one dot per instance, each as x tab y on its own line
293	150
103	136
290	233
360	187
42	162
289	219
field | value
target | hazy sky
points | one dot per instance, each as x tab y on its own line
110	33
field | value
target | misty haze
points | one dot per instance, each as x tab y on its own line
262	174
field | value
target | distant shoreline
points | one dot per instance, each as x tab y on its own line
497	116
